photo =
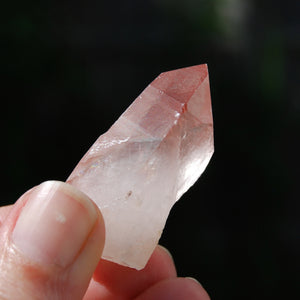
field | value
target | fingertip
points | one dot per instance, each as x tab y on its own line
54	234
54	224
193	279
193	282
166	251
162	258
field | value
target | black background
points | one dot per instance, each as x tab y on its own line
72	67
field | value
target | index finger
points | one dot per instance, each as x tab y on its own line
115	280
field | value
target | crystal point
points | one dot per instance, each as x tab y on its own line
143	164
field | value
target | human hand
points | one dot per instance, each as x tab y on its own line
51	241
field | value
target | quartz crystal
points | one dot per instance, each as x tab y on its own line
143	164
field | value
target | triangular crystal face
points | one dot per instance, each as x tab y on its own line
143	164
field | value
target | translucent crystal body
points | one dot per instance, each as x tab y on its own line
150	156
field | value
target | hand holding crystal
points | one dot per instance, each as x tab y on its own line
53	238
51	242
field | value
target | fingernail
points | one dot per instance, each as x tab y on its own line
54	224
193	279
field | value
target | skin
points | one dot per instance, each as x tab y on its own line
87	276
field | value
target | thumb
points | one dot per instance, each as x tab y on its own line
50	244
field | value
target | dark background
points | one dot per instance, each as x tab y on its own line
72	67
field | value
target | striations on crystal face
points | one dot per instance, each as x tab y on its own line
143	164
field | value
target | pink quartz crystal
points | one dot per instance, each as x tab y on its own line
143	164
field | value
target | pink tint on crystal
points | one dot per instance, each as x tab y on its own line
182	83
143	164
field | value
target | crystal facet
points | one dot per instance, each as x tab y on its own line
143	164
